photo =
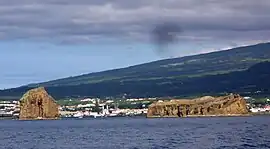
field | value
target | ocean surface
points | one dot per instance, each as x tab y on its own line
138	133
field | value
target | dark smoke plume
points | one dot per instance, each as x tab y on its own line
165	34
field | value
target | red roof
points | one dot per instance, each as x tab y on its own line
267	107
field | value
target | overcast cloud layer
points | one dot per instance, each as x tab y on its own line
86	21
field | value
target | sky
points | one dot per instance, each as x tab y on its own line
50	39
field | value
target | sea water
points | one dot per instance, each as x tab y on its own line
137	133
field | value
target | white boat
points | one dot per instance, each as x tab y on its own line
113	114
95	114
16	114
78	115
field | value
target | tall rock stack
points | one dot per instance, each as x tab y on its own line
231	105
38	104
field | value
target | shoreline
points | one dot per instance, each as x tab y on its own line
195	116
143	116
228	115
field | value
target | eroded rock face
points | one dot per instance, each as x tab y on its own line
206	106
38	104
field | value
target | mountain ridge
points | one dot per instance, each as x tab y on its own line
166	77
164	61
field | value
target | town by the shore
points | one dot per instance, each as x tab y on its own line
96	107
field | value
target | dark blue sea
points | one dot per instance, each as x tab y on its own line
138	133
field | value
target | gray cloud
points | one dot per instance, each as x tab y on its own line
86	21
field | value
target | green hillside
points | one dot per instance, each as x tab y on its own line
191	66
212	73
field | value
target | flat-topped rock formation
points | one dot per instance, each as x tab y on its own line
231	105
38	104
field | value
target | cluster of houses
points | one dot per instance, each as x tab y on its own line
9	109
260	109
103	113
88	109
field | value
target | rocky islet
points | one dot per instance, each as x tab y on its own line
38	104
231	105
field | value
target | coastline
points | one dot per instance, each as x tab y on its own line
194	116
143	116
227	115
30	119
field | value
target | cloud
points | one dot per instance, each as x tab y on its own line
86	21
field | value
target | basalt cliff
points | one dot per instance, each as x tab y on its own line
38	104
231	105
